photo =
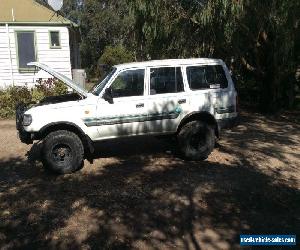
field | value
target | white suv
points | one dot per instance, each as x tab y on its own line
191	99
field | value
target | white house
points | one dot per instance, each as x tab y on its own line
29	32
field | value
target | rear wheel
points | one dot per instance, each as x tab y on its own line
196	140
62	152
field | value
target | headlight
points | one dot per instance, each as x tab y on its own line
27	120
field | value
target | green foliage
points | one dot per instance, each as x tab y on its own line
259	40
37	95
59	88
264	49
51	87
10	97
6	107
103	23
174	29
116	55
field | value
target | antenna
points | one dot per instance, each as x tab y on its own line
13	14
56	4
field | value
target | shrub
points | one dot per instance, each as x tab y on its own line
116	55
60	88
6	109
10	97
51	87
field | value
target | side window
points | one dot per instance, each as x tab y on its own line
205	77
221	77
166	80
54	39
129	83
196	77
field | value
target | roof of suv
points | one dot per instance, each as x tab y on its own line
169	62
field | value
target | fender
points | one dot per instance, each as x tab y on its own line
86	140
203	116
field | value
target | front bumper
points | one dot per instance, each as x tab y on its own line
24	136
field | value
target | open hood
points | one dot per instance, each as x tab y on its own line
61	77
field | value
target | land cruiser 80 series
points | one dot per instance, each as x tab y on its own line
191	99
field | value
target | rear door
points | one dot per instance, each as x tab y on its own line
167	101
211	89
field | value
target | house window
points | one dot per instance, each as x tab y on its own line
54	40
26	49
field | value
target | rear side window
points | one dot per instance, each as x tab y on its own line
166	80
206	77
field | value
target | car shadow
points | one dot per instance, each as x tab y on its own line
135	204
141	196
123	147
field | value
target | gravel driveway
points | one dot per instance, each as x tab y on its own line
139	195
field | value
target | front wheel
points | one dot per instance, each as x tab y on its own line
62	152
196	140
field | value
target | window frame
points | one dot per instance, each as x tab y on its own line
59	39
182	70
117	73
28	69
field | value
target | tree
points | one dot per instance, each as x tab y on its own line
103	23
265	43
259	40
115	55
259	37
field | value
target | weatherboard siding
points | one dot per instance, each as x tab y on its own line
59	59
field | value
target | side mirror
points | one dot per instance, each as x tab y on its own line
108	96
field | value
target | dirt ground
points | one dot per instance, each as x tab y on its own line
139	195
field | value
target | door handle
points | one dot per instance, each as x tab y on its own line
140	105
181	101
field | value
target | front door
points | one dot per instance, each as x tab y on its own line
123	117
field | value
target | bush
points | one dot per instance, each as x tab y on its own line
116	55
6	109
10	97
51	87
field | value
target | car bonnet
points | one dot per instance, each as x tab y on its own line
61	77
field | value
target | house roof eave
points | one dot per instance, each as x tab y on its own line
40	24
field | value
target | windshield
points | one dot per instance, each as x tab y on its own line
99	87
